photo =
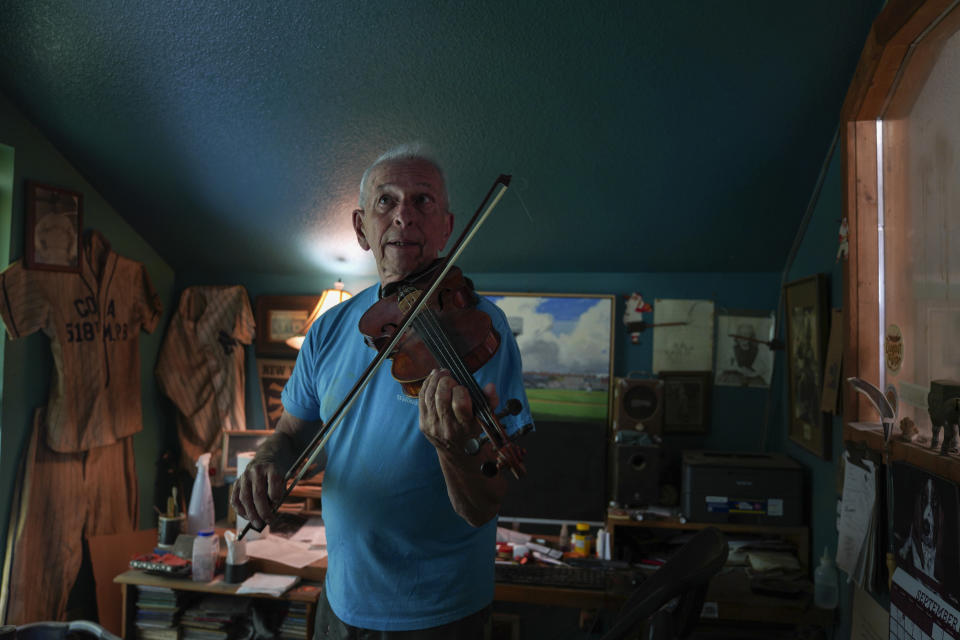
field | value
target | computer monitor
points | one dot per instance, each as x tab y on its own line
566	344
566	479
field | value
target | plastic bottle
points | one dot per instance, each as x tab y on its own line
825	590
582	540
200	513
206	549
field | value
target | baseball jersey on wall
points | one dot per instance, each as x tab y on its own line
201	367
93	319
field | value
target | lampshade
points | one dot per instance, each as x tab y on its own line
328	299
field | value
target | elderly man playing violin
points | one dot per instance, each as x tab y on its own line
410	517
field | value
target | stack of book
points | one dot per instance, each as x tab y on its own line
294	625
158	611
213	617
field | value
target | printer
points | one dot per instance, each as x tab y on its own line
747	488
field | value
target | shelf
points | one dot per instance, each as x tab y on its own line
871	435
676	523
799	535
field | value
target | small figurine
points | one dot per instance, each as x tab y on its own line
908	430
844	249
633	316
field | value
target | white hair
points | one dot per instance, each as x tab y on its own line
402	152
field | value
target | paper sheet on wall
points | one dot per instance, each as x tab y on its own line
683	347
856	519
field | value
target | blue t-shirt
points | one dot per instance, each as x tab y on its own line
400	557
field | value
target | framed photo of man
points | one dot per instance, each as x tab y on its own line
806	321
744	353
54	221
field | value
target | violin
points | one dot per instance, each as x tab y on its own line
449	332
450	324
452	300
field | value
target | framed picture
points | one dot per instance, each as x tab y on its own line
686	401
805	306
744	356
235	442
279	318
566	344
54	221
274	374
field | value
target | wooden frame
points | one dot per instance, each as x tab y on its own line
238	441
273	374
805	309
899	51
279	318
686	401
54	221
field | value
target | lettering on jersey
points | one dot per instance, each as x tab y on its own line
90	330
85	306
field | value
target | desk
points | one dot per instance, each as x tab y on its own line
306	592
556	596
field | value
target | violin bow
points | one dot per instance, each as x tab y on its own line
309	455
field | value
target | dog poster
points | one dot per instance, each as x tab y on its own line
926	521
926	585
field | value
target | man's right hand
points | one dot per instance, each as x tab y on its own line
260	488
257	491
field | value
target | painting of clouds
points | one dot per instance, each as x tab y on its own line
566	342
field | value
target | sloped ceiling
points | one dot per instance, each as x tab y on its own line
642	136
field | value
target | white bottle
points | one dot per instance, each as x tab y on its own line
206	549
825	589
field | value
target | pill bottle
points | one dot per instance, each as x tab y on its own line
582	540
206	549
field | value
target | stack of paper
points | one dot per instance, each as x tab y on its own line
857	520
269	583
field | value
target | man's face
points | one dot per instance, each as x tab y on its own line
404	222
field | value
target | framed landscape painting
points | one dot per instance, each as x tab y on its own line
566	343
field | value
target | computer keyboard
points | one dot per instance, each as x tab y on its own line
598	578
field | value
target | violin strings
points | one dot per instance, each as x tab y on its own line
439	344
430	330
444	351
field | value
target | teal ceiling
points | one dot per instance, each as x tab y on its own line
642	136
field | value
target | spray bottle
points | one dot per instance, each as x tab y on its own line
200	513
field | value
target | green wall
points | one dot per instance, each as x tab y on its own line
27	362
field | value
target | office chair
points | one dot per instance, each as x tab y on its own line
687	575
75	630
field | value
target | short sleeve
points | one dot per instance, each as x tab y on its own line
299	394
149	305
23	305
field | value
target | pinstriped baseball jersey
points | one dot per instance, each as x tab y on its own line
201	368
93	319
